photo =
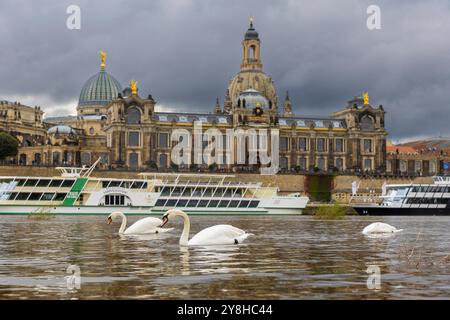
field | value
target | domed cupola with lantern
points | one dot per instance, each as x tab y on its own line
251	77
98	91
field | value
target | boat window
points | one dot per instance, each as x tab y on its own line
67	183
35	196
165	191
115	183
138	185
30	183
193	203
56	183
233	203
12	196
415	189
48	196
182	203
43	183
160	202
203	203
219	192
60	196
171	202
224	203
253	204
20	182
105	183
244	204
22	196
115	200
213	203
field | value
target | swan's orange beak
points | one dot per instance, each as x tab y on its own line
165	220
109	220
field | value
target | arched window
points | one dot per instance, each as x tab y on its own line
252	53
367	123
133	115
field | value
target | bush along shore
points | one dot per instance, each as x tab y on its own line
329	211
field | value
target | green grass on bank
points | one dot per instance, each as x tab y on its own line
330	212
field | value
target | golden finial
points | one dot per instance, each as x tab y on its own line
133	85
366	98
103	58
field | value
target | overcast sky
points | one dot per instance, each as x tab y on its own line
183	52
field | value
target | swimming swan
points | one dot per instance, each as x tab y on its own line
216	235
142	226
380	228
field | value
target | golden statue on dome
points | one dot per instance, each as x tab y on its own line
366	98
103	58
133	86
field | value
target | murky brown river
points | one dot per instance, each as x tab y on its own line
290	257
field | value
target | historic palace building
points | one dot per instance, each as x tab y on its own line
120	125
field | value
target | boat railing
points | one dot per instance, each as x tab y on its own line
77	172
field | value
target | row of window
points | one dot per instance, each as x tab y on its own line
303	144
208	192
115	200
321	163
35	196
50	183
431	188
428	201
207	203
124	184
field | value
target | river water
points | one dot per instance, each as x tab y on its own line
290	257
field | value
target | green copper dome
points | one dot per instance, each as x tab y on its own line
100	89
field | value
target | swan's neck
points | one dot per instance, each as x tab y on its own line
186	228
124	223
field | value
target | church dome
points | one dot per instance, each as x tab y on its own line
61	129
99	89
252	80
252	99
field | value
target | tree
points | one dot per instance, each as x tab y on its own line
9	146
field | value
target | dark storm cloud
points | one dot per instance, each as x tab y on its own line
184	53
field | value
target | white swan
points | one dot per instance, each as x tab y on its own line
142	226
216	235
380	228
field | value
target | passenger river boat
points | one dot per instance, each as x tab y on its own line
75	192
411	200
